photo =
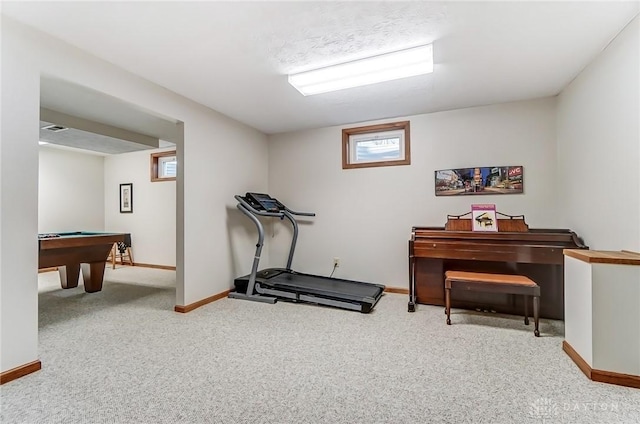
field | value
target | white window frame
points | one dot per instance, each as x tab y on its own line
351	137
162	165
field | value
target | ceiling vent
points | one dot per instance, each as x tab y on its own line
55	128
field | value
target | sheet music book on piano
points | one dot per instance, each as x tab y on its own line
483	217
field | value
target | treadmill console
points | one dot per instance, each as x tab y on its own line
263	202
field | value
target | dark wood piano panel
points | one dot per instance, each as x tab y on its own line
535	253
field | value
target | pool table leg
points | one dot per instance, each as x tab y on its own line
93	274
69	275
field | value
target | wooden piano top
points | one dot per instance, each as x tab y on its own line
536	235
515	243
512	229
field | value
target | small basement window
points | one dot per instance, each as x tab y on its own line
164	166
376	145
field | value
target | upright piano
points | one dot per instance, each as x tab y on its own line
514	249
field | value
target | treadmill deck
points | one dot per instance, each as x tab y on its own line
318	286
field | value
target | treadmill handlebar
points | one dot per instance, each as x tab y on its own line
299	213
255	211
279	214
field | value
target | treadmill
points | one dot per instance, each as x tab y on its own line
271	284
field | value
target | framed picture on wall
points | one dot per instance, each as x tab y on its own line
126	198
481	180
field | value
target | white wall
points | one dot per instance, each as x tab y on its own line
599	148
19	204
70	191
219	157
153	222
364	216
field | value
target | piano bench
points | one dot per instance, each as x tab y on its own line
494	283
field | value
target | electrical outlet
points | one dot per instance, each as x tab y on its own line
336	262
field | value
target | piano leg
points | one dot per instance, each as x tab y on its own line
447	303
412	287
536	305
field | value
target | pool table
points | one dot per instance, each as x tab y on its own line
72	251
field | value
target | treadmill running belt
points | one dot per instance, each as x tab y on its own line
323	285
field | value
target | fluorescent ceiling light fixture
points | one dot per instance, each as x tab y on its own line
371	70
42	143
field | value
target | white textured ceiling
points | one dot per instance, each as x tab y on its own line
234	56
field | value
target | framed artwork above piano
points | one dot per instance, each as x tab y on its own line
514	249
480	180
